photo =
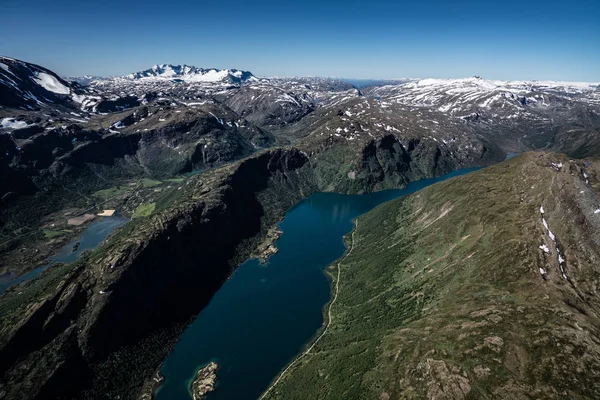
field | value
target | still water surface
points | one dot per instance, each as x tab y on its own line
263	316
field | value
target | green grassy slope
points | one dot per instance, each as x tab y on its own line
442	296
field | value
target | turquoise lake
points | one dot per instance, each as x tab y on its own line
264	315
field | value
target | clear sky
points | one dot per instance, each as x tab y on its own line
526	39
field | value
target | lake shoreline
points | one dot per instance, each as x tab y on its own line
327	316
262	311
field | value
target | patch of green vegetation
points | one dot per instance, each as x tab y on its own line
144	210
148	183
50	234
176	180
111	192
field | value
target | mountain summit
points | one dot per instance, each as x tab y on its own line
190	73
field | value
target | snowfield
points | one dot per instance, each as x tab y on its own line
11	123
51	84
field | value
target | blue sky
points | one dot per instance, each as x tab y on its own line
558	40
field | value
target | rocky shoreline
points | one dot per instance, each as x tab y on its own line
267	248
151	385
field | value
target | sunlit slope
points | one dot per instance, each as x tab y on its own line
458	292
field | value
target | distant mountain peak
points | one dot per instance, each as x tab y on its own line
191	73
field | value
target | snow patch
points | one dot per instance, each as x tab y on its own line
51	84
219	120
6	68
11	123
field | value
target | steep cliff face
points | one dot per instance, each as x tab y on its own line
155	141
192	250
146	284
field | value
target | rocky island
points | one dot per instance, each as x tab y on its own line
204	382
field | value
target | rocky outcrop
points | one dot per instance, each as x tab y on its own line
268	108
174	143
118	104
267	248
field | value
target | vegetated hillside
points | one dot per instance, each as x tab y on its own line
483	286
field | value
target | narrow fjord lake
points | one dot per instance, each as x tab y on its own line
264	315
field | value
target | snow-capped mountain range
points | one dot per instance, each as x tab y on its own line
449	95
189	73
231	113
279	102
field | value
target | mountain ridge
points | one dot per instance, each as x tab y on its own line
191	73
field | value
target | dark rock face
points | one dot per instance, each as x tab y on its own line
45	148
390	162
13	181
119	104
196	246
192	141
189	141
26	133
